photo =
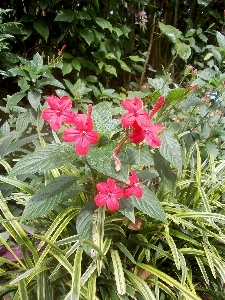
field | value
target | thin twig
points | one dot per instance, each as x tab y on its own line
149	51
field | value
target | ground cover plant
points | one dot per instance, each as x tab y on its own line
112	187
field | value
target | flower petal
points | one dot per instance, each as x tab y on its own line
82	145
56	122
83	122
100	199
68	117
54	102
71	134
128	119
129	105
152	139
47	114
65	103
156	128
112	204
92	137
143	119
137	135
102	187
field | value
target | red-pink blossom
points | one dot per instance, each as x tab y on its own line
157	106
135	113
109	194
58	112
193	87
134	187
148	134
83	134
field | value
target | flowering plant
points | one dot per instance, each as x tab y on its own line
106	161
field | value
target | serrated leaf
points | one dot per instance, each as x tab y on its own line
49	81
14	99
22	122
103	121
101	160
171	32
110	69
47	158
127	208
49	197
170	149
42	28
34	97
150	205
140	285
88	35
118	272
103	23
65	15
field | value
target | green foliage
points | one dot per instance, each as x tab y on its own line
56	243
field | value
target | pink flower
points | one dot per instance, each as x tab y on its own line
134	187
58	112
148	134
157	106
135	113
109	194
83	134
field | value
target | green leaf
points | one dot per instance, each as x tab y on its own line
136	58
88	35
183	50
42	28
127	208
220	40
47	158
34	97
76	64
126	252
118	272
124	66
110	69
65	15
150	205
103	23
22	122
67	68
47	198
75	286
170	149
49	81
140	285
101	160
102	117
19	184
118	31
84	225
171	32
173	248
175	95
170	281
14	99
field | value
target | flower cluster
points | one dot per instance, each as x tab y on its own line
82	133
139	119
110	193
